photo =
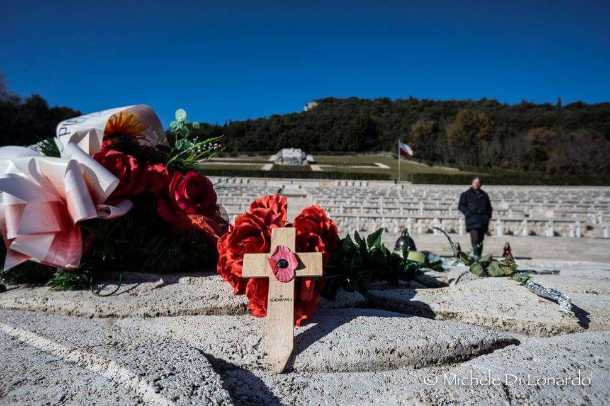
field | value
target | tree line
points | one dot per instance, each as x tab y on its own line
30	120
551	138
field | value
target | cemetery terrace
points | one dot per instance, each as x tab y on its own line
574	212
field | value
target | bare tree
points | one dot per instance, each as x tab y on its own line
4	92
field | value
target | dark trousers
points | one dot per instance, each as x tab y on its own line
477	236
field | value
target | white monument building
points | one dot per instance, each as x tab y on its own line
310	105
292	156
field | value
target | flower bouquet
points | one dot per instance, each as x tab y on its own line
111	192
251	233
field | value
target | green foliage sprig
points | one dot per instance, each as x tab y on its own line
359	261
187	151
486	265
48	147
69	280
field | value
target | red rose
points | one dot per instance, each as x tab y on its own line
192	193
191	204
127	169
157	178
213	226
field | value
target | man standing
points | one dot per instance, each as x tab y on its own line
476	208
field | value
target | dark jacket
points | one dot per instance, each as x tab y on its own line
476	207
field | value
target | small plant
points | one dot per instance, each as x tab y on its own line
69	280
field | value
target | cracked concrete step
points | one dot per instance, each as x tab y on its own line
148	368
567	369
338	341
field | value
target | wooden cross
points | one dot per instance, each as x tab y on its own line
279	326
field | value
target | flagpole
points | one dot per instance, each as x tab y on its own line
398	156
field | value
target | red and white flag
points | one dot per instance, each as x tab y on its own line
405	150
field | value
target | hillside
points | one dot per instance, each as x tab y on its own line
553	139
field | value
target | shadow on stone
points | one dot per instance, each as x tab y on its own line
327	324
582	315
404	304
135	279
3	288
244	387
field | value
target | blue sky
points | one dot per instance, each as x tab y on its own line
232	60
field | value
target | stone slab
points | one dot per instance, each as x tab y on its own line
178	370
538	360
337	341
31	377
141	295
567	369
503	304
147	295
149	368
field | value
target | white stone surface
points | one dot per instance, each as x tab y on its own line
504	304
337	341
60	359
530	373
141	295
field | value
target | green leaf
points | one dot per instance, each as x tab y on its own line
361	244
69	280
358	239
48	147
374	240
521	277
477	269
348	244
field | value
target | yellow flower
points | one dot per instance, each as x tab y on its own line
125	124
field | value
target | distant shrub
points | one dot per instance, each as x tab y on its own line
295	174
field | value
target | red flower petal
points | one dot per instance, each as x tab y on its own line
283	264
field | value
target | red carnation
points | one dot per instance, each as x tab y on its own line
250	234
316	232
271	209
